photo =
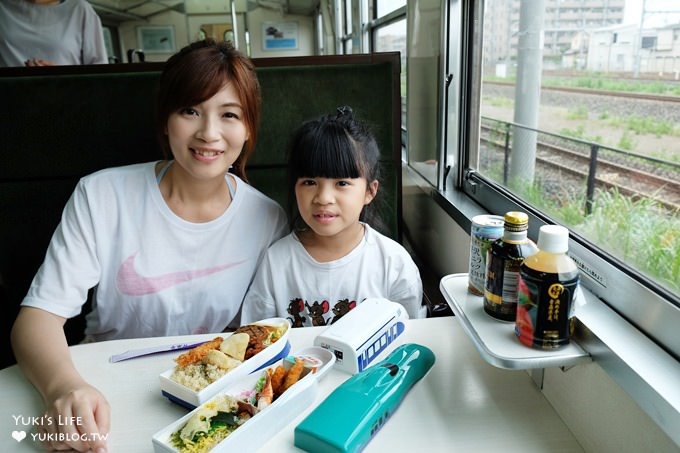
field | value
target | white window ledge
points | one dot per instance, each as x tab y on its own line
646	372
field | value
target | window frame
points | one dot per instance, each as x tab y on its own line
662	309
624	334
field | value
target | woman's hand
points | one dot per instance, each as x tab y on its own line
77	415
38	62
77	420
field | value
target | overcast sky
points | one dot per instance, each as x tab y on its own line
653	18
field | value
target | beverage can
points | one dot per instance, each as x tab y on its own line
484	231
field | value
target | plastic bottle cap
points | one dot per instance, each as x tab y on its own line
516	221
553	239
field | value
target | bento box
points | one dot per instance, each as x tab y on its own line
246	413
206	369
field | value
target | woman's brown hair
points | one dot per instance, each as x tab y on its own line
195	74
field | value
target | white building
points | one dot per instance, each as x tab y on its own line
567	23
627	48
664	58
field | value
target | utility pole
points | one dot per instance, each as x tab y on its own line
527	90
638	49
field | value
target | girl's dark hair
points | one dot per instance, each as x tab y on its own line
195	74
334	146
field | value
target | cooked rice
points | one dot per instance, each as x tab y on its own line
197	376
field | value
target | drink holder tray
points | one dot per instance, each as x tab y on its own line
495	340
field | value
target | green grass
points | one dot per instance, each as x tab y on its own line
597	81
580	113
639	125
498	101
638	232
580	134
645	125
626	142
664	154
566	206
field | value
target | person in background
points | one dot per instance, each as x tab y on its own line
334	258
170	246
50	32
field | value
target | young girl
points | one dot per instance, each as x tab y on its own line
333	259
170	246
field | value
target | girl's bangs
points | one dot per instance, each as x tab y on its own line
327	154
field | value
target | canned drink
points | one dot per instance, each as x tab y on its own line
485	230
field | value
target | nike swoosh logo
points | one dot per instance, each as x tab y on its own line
130	283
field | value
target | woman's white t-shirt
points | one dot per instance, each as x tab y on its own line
155	273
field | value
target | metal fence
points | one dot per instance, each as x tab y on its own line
581	158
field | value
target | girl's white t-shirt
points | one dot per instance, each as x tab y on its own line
292	284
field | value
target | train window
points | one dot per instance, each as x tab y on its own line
424	46
575	125
388	34
347	6
384	7
392	38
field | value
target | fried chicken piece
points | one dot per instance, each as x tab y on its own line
196	354
278	376
293	374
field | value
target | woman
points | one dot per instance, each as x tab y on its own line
50	32
170	247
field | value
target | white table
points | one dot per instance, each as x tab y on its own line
463	404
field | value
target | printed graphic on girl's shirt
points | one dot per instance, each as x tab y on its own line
317	311
296	307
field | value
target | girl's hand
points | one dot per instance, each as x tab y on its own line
78	420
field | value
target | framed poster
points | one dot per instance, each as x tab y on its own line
279	36
156	38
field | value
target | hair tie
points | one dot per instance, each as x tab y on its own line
344	110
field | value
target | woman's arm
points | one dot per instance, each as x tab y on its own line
42	353
259	301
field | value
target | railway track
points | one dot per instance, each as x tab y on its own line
573	165
590	91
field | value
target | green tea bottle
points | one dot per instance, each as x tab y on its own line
547	283
504	258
